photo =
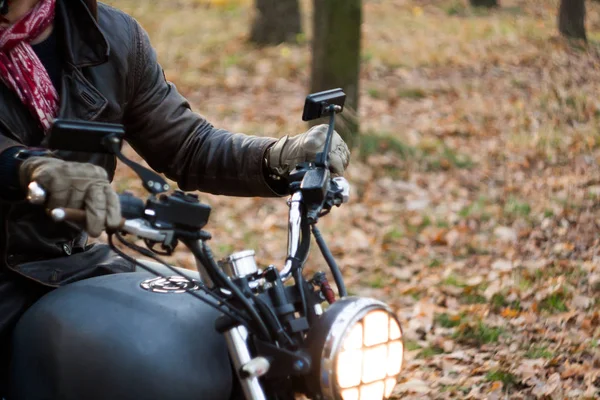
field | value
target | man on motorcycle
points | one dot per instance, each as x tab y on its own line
76	59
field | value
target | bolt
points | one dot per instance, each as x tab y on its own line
298	365
166	187
67	249
150	183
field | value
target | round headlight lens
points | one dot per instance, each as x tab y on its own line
359	344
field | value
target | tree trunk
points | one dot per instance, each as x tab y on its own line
275	22
484	3
336	57
571	19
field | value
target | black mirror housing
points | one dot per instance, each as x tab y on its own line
101	138
83	136
316	104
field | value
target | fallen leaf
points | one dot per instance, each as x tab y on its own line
528	369
506	234
547	388
509	313
413	386
582	302
502	265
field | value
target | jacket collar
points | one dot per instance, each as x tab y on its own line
85	44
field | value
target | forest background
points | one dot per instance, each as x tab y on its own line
475	181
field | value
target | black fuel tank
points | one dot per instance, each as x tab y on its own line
108	338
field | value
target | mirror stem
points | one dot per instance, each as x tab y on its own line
323	157
151	181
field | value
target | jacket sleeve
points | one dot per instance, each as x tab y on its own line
181	144
6	142
9	178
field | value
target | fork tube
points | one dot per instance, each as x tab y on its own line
240	355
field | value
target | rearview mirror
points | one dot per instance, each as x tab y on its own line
316	104
101	138
83	136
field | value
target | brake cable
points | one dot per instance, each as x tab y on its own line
221	304
335	270
205	250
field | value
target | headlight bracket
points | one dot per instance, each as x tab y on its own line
284	362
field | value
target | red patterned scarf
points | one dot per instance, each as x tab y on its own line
21	69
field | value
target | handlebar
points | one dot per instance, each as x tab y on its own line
137	219
295	221
68	214
294	233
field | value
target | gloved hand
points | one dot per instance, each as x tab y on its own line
75	185
289	151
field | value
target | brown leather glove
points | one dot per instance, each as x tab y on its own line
75	185
289	151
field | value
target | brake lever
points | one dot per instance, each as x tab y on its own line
138	227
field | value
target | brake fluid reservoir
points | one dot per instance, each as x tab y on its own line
240	264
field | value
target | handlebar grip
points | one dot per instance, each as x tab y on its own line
68	214
131	206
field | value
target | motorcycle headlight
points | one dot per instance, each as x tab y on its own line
357	350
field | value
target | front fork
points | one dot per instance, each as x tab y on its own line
237	344
237	338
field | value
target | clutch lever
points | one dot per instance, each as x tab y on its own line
37	195
137	227
75	215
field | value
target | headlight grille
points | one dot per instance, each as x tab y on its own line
358	342
370	358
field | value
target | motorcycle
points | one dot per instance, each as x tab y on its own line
230	331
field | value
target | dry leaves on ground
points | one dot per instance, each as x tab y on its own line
476	187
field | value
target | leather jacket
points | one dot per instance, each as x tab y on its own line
111	74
